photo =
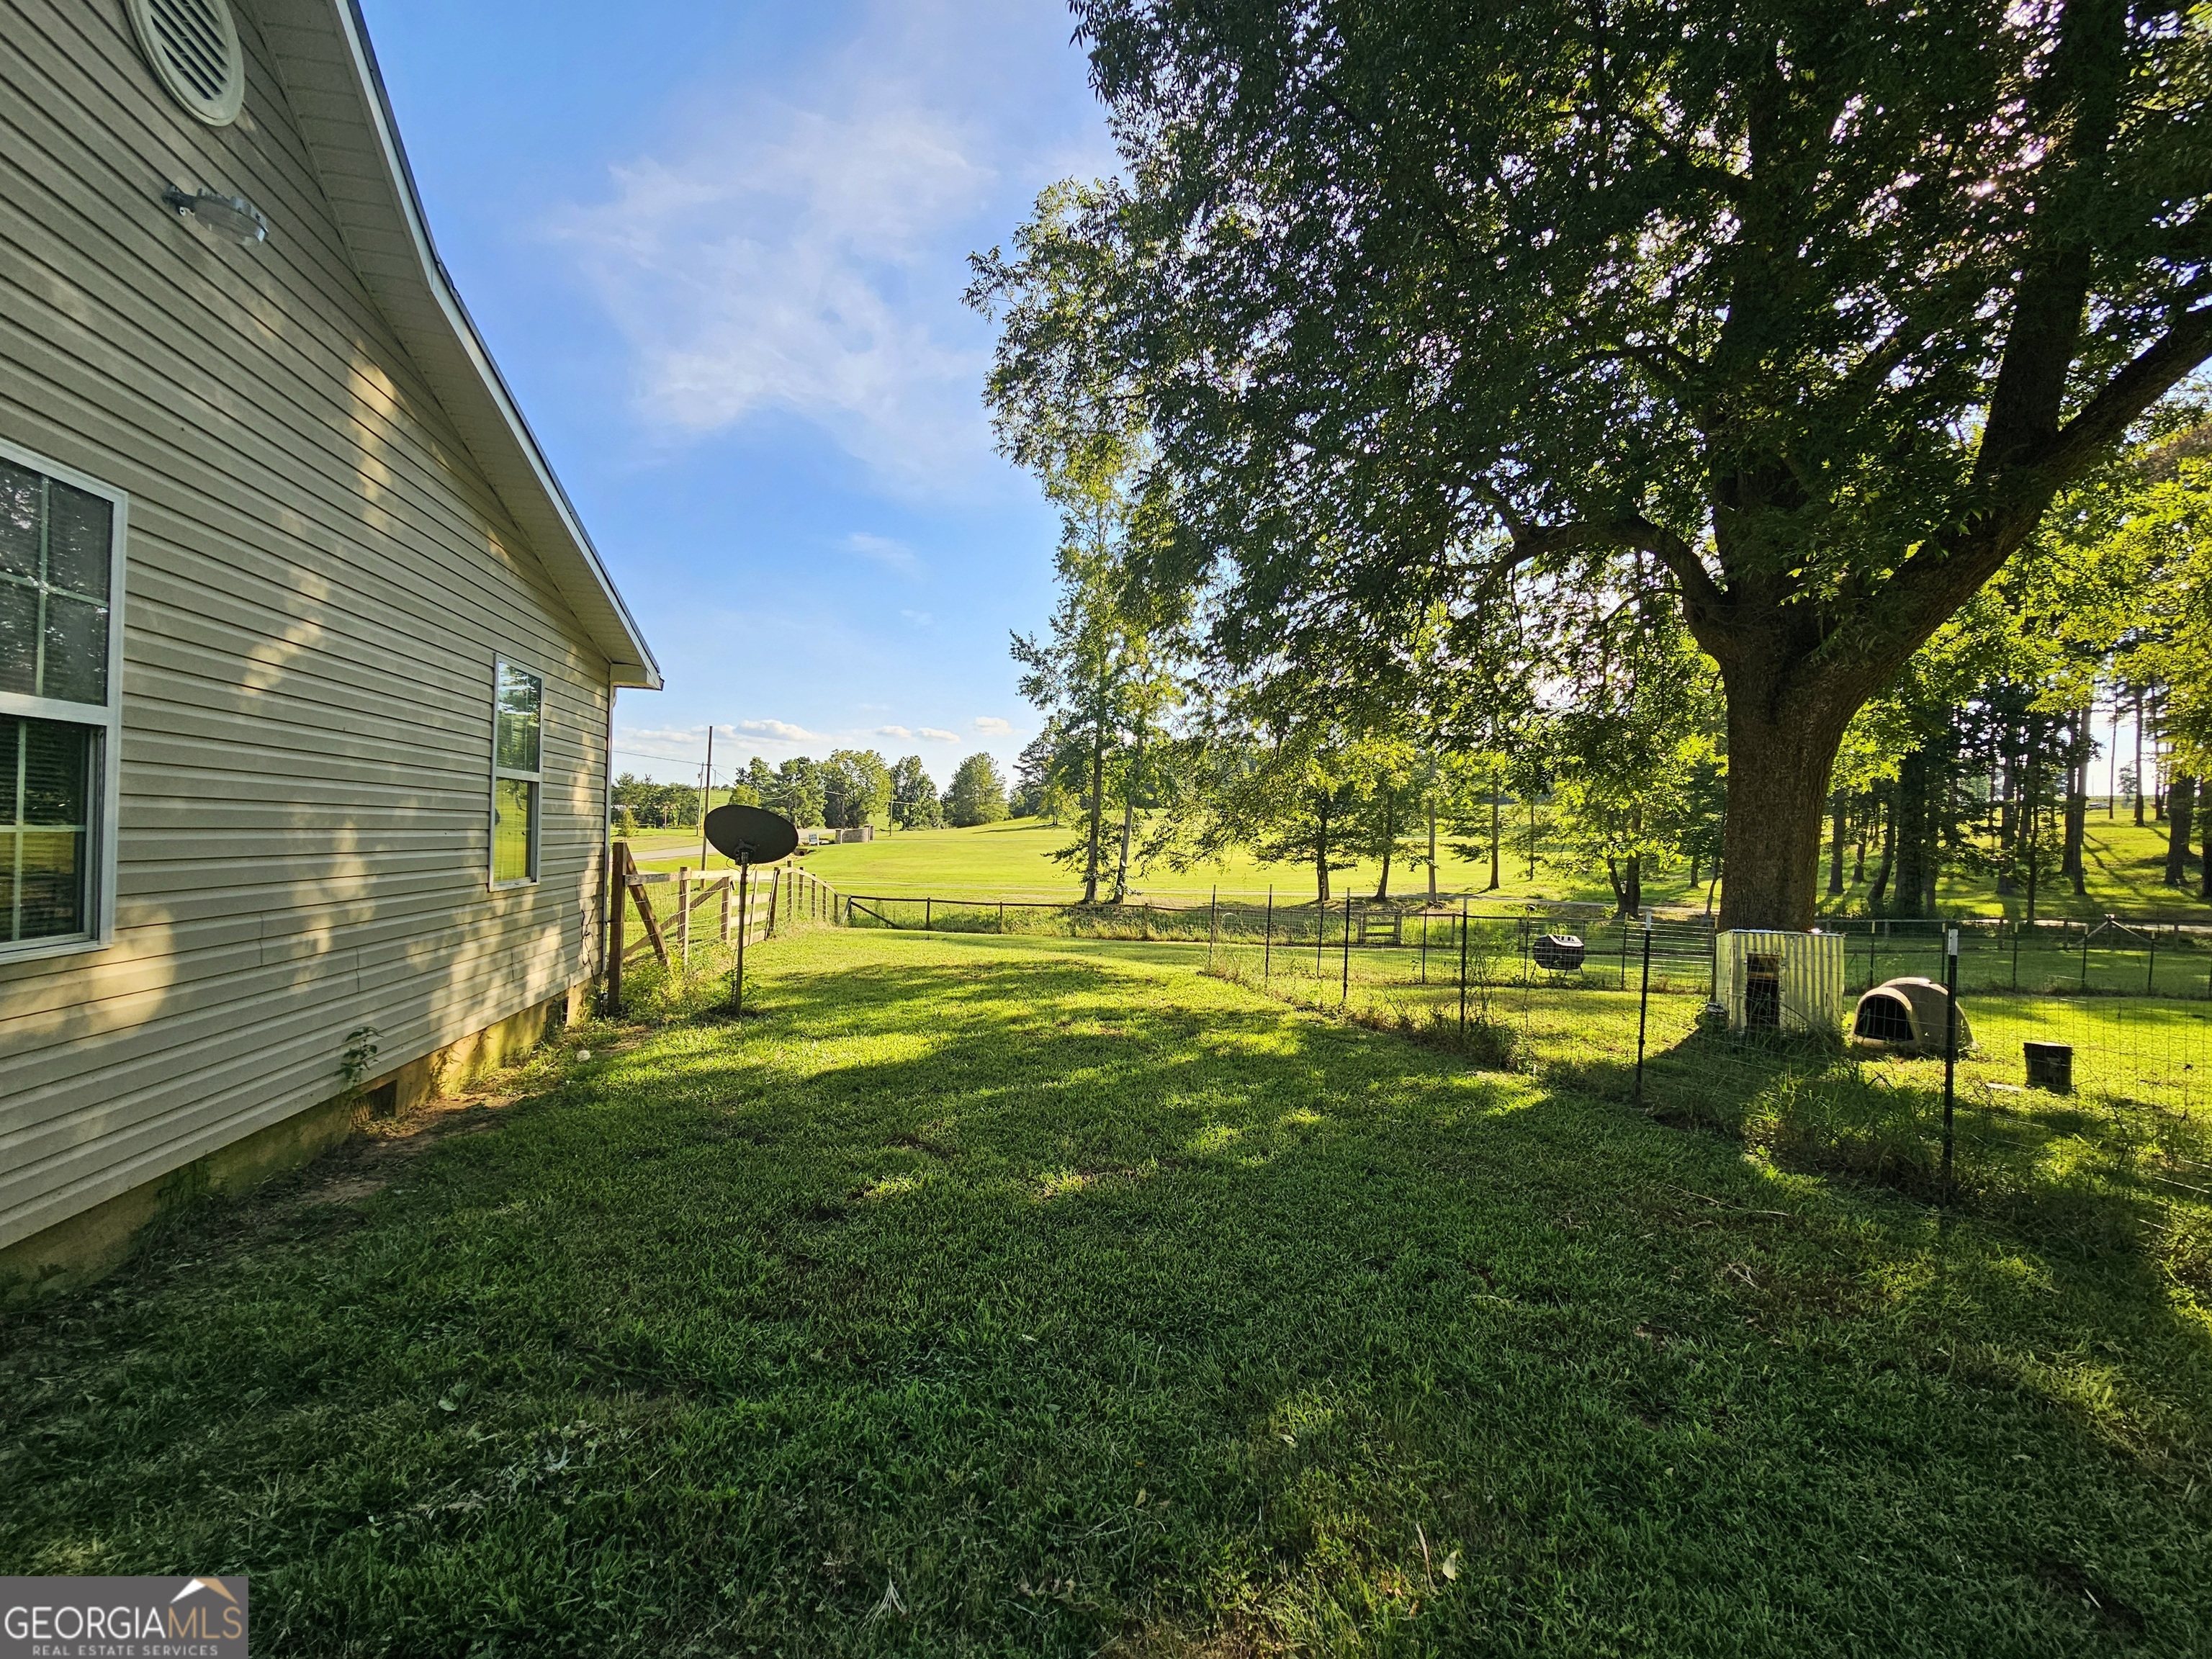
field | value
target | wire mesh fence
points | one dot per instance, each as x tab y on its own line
2081	1099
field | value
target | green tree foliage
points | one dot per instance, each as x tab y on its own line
795	789
915	804
977	794
856	788
1033	775
1635	750
1814	308
657	806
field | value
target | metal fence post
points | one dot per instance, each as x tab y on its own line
1212	922
1344	995
2016	953
1950	1048
1462	970
1642	1005
1267	940
1623	951
2150	968
744	927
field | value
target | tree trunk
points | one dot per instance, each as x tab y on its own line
1836	806
1859	827
2139	771
1097	807
1390	846
1497	807
1619	893
2204	837
1321	852
1881	888
1129	816
1632	903
2181	801
1782	750
2077	802
2008	824
1910	872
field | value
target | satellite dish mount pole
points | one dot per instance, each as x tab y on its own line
744	922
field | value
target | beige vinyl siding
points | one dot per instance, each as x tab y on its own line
317	580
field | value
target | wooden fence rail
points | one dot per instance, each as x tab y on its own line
750	905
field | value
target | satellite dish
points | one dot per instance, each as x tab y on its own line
751	834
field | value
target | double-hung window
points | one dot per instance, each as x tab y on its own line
61	587
517	779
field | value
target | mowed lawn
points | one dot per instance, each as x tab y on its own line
989	1297
2125	873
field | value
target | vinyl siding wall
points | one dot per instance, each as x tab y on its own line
318	580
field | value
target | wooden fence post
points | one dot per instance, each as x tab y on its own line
617	941
774	893
725	910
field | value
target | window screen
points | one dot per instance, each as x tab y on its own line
518	717
45	829
58	571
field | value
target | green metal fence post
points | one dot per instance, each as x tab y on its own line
1950	1049
1643	1004
1267	940
1462	970
1344	995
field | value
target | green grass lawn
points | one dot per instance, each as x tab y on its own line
1039	1297
1012	860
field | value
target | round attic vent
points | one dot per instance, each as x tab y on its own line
193	47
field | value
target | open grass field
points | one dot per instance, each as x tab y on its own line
1034	1297
1012	859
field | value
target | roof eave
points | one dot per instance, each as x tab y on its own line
345	114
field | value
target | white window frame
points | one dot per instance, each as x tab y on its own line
105	721
499	664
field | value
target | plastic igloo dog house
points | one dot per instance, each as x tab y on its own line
1906	1017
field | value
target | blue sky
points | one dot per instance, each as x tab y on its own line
718	251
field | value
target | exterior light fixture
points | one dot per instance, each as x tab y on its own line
232	217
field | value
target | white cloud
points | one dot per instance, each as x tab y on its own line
805	252
781	729
883	550
898	731
919	618
994	724
938	734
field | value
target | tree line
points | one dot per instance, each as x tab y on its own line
1761	443
851	788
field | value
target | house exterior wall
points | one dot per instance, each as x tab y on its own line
317	581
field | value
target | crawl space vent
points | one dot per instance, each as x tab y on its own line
193	48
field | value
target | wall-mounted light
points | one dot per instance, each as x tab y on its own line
231	217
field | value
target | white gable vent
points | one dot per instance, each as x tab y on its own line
193	48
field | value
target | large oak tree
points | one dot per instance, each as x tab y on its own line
1811	306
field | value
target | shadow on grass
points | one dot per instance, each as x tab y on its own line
1005	1300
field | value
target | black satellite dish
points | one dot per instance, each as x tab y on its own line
751	834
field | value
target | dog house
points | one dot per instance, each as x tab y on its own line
1906	1017
1771	981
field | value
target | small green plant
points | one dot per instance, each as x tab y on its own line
360	1054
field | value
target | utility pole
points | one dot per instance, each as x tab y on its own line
706	793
